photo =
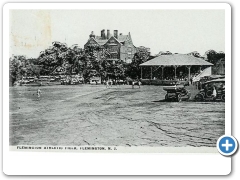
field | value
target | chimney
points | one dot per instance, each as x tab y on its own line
92	35
103	34
115	34
108	34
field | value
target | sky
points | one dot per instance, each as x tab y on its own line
177	31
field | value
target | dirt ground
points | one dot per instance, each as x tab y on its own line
118	116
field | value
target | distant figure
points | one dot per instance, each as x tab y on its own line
110	82
107	84
214	94
133	83
139	83
191	80
38	94
118	83
199	85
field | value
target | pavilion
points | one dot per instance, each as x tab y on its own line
175	61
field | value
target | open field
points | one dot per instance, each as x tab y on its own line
118	116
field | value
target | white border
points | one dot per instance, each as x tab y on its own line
21	163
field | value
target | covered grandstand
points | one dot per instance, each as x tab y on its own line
175	61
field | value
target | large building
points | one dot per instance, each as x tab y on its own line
119	46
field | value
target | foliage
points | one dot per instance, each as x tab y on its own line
164	53
92	61
20	66
213	56
141	56
219	67
195	54
16	68
53	57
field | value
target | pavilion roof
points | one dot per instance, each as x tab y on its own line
176	60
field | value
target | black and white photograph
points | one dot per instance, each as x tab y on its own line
116	79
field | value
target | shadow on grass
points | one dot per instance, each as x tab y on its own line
162	100
36	99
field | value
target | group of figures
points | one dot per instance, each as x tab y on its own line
109	83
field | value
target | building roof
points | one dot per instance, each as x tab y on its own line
100	41
176	60
122	38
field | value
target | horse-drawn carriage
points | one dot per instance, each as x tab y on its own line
176	93
207	92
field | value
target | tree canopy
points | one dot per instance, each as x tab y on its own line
141	56
214	57
89	62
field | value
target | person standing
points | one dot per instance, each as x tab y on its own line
107	84
111	82
191	80
139	83
214	94
38	94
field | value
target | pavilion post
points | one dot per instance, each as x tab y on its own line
175	67
162	71
151	72
189	73
141	72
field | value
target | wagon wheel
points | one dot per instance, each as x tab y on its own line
179	98
209	93
223	97
199	97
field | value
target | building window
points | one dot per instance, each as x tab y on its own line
129	55
114	55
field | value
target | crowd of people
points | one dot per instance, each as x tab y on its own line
110	82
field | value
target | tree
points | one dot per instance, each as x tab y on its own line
33	70
164	53
195	54
141	56
53	57
217	59
213	56
17	68
94	62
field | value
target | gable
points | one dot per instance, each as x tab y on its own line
91	41
112	41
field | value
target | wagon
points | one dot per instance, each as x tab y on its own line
206	93
176	93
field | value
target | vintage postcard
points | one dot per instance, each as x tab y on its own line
101	78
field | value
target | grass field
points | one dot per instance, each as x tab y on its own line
118	116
